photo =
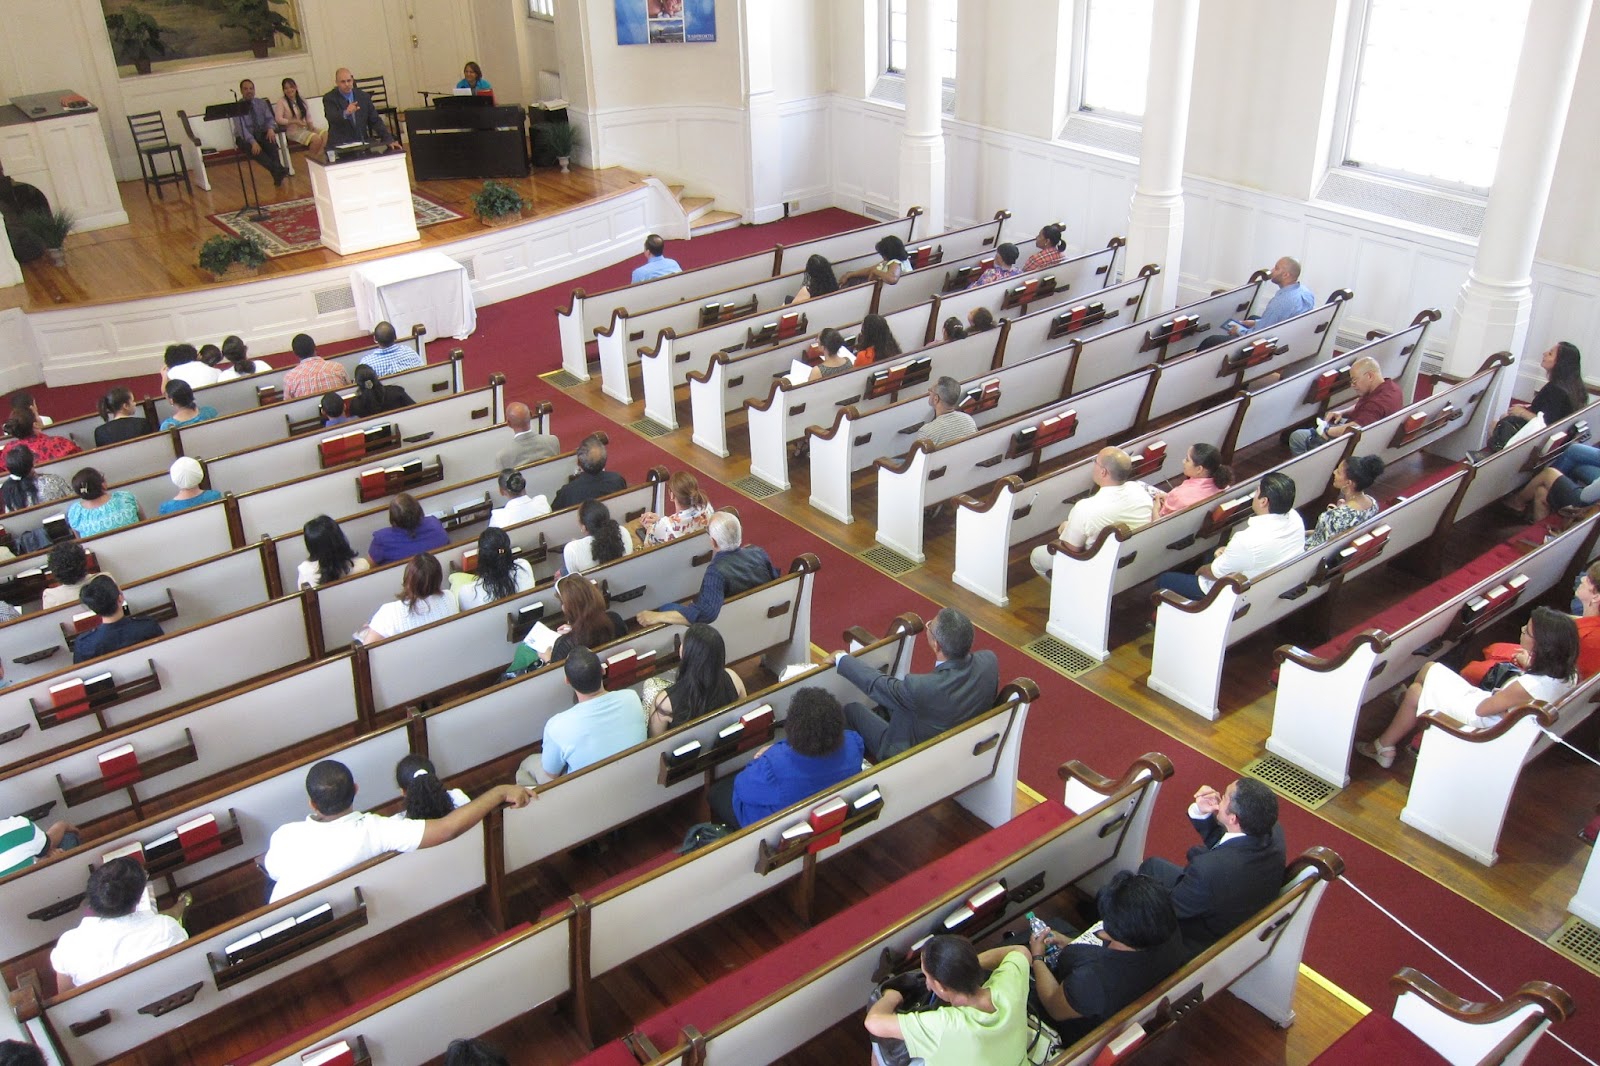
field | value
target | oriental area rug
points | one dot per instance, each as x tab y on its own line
292	226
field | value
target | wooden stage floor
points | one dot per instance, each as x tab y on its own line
154	255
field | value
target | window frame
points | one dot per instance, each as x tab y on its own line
543	10
1076	108
886	69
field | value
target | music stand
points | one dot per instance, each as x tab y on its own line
230	111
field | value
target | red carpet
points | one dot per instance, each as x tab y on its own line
1351	944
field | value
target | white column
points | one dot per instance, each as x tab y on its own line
1155	219
1492	309
10	272
922	144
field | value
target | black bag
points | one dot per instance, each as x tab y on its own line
1503	431
702	833
914	996
1498	675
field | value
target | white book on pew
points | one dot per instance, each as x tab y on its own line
799	372
336	1054
798	831
796	669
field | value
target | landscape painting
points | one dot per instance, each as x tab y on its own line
192	28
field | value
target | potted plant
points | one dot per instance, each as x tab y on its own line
50	228
135	37
497	203
259	22
219	254
563	138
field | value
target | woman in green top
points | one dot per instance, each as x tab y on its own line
986	1023
184	410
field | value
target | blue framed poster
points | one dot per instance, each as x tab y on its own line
666	21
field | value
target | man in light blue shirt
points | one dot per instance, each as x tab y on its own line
255	133
656	263
1292	298
600	724
391	356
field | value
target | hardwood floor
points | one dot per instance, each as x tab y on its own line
154	255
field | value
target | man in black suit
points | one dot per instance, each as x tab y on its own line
350	114
963	683
1235	872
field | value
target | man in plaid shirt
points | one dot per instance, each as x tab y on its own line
390	358
314	375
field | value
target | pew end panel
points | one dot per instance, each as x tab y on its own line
981	524
1318	703
1496	1033
830	451
1191	640
1471	434
994	798
1129	801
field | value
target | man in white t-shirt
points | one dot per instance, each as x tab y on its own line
335	836
1274	534
122	926
1117	501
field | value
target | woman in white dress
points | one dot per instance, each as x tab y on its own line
423	599
603	541
499	573
1551	641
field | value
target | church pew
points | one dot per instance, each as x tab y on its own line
1193	636
1324	386
1228	366
790	410
265	425
974	762
586	313
1432	1024
1011	513
242	730
1462	787
301	457
1321	692
1500	474
158	675
129	460
186	596
260	389
1442	423
1084	581
911	481
148	547
730	382
674	342
367	900
151	491
776	1004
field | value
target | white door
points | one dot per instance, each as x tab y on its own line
440	39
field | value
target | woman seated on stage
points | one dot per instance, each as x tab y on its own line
409	532
603	541
185	411
97	509
819	280
472	78
1551	640
1204	475
423	599
499	574
295	121
1352	478
690	511
1571	480
329	555
703	682
1588	623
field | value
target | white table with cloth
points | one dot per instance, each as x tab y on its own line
426	287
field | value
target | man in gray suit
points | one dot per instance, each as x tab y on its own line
963	683
527	445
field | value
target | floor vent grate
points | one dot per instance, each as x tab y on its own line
561	379
888	560
1061	656
1308	790
755	488
1578	941
649	427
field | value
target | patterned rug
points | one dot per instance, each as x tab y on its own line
292	226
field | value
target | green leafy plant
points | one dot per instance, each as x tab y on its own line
135	37
257	19
497	200
222	251
50	228
563	138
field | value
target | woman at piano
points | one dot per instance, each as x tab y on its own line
472	78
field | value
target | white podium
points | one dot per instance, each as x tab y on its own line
363	203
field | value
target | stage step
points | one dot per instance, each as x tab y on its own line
694	207
712	221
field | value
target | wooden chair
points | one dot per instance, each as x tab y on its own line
375	88
149	131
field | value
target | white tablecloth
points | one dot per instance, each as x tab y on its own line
426	287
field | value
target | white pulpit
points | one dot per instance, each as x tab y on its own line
363	203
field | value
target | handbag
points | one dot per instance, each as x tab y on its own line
1498	675
914	996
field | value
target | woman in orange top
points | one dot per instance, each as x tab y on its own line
1588	636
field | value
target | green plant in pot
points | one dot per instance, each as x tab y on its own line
563	138
258	21
135	37
50	228
497	203
223	251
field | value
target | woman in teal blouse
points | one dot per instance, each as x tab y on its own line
472	78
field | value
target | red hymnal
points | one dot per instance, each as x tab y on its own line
340	1054
69	698
200	838
987	901
131	851
119	765
373	482
469	560
342	448
825	818
84	621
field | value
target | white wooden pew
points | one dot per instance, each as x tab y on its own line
586	313
1441	423
729	383
1193	636
926	475
151	491
117	463
1319	699
1083	582
184	597
1015	511
1502	473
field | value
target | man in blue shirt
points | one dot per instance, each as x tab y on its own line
391	356
1292	298
116	630
600	724
256	133
656	263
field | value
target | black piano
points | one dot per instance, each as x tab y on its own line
468	142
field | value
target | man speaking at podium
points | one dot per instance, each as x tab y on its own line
351	117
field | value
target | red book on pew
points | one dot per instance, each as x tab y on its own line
119	766
339	1054
758	720
129	851
1120	1046
469	561
789	323
84	621
973	911
373	482
200	838
342	447
1150	460
824	818
69	698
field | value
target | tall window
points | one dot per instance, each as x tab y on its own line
1430	87
944	29
542	9
1113	56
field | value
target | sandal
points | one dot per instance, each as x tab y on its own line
1384	757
